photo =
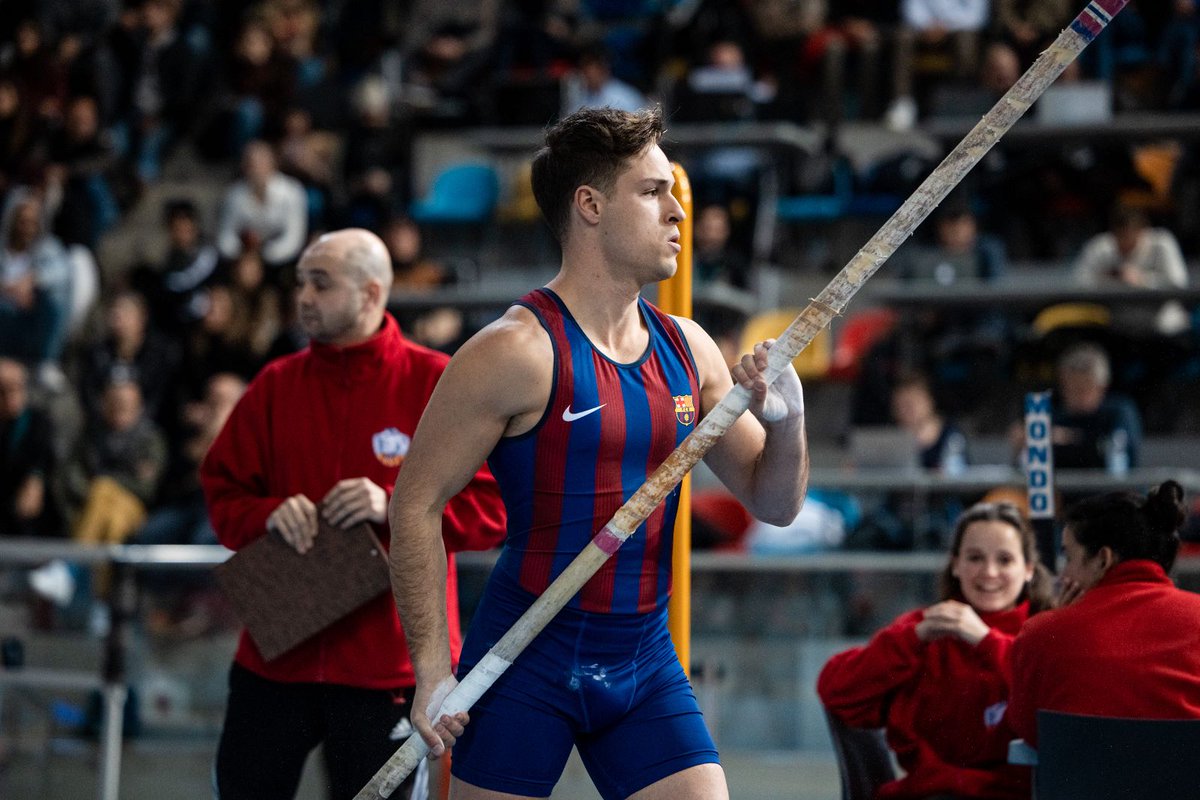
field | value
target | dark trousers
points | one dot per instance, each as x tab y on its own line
271	727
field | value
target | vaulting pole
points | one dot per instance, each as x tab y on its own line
816	316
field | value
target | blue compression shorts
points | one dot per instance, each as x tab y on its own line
611	685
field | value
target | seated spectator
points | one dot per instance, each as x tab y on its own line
166	87
943	446
308	155
716	257
959	252
855	35
443	73
35	290
999	69
82	159
724	88
376	158
592	85
219	342
936	37
129	350
261	83
27	461
294	26
265	211
18	133
1031	25
1177	54
1124	642
903	520
414	272
176	288
938	678
182	517
1133	254
31	61
1093	428
258	308
413	269
116	468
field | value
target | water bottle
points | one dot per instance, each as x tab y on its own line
1117	457
954	455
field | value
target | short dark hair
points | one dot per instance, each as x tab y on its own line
180	207
588	148
1132	525
912	379
1038	591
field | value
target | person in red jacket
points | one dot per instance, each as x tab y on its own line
1126	642
324	432
937	678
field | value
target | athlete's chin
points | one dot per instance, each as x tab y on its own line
666	269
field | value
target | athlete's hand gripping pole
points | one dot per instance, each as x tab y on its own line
818	314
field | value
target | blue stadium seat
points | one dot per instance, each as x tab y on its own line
461	193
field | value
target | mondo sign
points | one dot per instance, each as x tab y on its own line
1039	457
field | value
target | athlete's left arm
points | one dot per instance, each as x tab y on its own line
763	458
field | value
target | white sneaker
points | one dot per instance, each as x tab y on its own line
54	582
901	114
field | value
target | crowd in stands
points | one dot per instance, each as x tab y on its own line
303	114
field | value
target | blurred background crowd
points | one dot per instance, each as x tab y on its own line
164	162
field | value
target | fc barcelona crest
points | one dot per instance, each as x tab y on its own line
685	411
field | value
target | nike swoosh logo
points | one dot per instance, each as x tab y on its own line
571	416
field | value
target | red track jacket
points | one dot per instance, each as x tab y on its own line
1130	647
307	421
941	703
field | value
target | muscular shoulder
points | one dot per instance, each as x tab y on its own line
511	359
516	340
709	361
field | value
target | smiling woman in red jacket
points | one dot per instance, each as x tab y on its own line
1127	641
938	678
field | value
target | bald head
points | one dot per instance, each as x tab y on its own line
362	251
343	280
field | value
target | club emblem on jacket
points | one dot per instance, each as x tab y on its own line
685	411
390	446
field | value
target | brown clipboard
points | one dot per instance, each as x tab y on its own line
284	598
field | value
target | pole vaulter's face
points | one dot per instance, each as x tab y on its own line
641	219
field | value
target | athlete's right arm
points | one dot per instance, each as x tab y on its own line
497	384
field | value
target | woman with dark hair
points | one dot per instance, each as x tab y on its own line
1127	642
937	678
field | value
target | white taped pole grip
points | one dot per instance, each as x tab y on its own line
473	685
461	698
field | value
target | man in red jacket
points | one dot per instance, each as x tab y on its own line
322	433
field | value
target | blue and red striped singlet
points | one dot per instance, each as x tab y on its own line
606	428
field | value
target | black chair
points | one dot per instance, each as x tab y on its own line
1106	758
864	759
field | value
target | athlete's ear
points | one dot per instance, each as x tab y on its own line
588	202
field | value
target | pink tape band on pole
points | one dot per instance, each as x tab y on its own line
607	540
